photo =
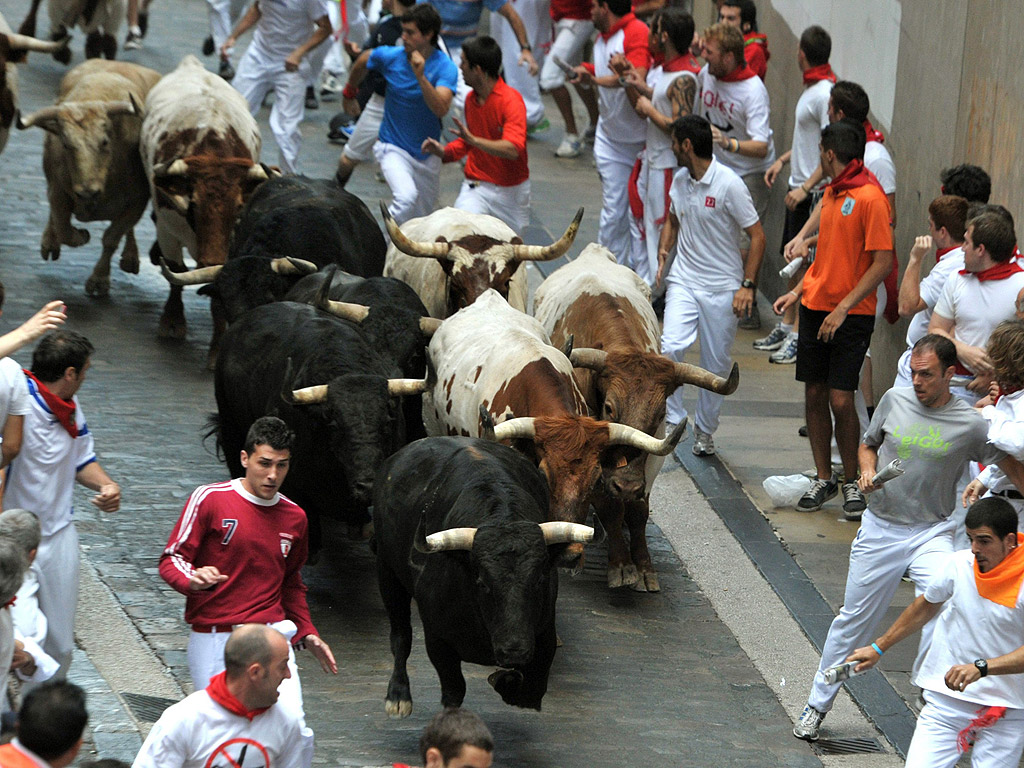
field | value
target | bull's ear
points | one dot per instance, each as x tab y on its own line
419	539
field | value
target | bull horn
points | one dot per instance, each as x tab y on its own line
177	168
429	325
568	345
345	310
451	539
200	276
120	108
137	106
258	173
400	387
486	423
411	247
40	116
559	532
515	428
587	357
286	265
18	42
621	434
691	374
553	251
310	395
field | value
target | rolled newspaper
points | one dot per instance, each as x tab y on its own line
841	672
790	269
893	469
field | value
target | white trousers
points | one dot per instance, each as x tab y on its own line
206	659
935	738
58	593
651	185
453	45
879	556
692	314
614	165
536	18
414	183
256	76
360	146
224	14
571	37
510	204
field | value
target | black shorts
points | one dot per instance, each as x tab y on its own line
836	362
795	221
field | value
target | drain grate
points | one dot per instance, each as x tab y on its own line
146	708
847	746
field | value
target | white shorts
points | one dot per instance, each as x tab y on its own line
510	204
571	36
360	146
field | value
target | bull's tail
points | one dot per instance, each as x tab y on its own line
212	428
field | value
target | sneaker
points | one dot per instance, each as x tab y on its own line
773	340
341	134
540	127
786	354
330	86
590	134
226	70
311	100
808	727
819	492
134	39
208	46
571	146
853	502
703	442
751	322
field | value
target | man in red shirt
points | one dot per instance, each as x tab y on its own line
236	553
742	14
494	137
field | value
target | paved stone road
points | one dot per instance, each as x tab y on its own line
641	679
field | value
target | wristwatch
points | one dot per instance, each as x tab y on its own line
982	666
748	283
526	47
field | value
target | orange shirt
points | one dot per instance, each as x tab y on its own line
501	116
854	223
12	757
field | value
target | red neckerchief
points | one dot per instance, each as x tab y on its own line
62	410
940	252
10	603
871	134
819	73
1003	392
684	62
218	690
855	175
998	272
657	59
618	25
986	718
743	72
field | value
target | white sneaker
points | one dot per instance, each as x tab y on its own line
703	442
808	727
133	41
571	146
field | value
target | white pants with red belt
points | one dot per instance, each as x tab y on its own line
206	659
935	738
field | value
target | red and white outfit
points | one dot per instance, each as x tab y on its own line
41	479
704	278
573	29
657	167
213	728
983	618
738	105
811	120
494	185
261	546
1006	432
948	262
620	132
536	16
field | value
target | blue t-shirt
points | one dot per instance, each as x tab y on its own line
460	18
407	118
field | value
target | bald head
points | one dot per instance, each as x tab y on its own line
250	644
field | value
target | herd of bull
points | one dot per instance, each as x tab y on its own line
413	377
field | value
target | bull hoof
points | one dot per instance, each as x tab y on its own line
130	262
622	576
109	47
93	45
398	709
97	287
507	683
648	582
171	329
50	252
78	237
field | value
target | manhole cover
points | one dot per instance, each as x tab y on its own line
846	746
146	708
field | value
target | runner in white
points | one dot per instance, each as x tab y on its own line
536	18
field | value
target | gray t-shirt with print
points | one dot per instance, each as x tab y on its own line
933	445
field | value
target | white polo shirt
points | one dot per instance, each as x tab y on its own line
878	160
976	306
41	478
711	214
971	627
931	288
741	110
811	119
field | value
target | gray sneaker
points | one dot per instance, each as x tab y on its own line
808	727
786	353
819	492
854	502
703	442
773	340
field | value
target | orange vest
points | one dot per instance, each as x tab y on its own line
12	757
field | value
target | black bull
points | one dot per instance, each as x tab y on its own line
486	587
